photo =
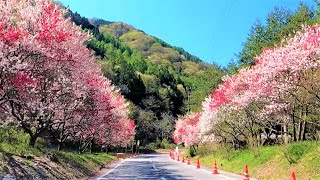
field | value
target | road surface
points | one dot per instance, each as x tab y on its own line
160	166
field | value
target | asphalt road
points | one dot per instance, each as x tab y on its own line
160	166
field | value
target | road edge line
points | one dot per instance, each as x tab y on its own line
101	177
210	172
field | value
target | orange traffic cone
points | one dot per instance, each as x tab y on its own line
215	169
246	175
293	176
188	160
198	164
182	159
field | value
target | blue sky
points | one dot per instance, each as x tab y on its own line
213	30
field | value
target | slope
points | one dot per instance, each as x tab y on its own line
160	81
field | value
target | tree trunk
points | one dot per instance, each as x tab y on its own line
304	123
90	147
132	149
79	147
33	140
300	130
294	127
59	146
304	131
285	132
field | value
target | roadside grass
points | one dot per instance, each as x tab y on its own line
271	162
30	160
21	149
162	150
86	163
181	149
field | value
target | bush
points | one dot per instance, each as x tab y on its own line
208	148
13	135
167	145
152	145
294	152
164	144
192	151
226	151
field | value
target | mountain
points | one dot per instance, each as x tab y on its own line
149	46
160	81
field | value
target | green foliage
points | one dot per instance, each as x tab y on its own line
158	144
207	149
181	51
150	73
152	145
280	24
166	144
13	135
79	20
192	151
80	160
21	150
294	152
268	158
200	86
99	22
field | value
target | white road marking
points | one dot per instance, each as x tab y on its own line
155	168
111	170
217	174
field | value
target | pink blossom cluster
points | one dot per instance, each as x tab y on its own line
50	81
187	130
276	73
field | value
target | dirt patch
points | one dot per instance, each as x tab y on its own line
33	167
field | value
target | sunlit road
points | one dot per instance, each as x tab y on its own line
160	166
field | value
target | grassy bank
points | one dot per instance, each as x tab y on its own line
24	162
272	162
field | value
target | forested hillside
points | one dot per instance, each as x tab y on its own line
161	81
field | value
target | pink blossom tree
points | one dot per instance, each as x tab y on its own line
49	79
274	84
187	130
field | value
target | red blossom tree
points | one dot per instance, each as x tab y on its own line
275	81
187	130
50	81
